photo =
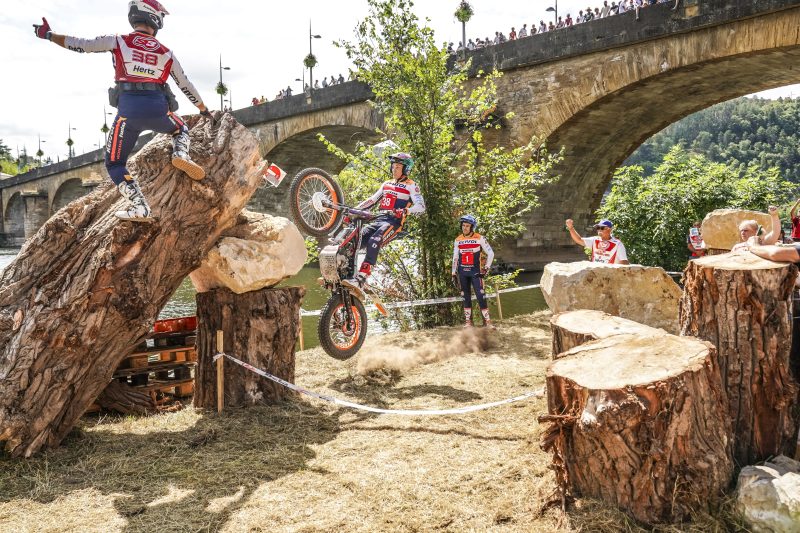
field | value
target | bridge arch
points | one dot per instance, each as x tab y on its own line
14	219
621	97
69	190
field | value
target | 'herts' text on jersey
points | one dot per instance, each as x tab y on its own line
142	70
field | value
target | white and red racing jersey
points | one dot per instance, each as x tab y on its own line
138	58
467	253
610	252
393	195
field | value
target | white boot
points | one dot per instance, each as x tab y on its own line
138	211
467	317
181	159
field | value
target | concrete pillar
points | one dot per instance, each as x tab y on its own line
37	211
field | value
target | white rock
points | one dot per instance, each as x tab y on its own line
643	294
769	496
720	228
259	252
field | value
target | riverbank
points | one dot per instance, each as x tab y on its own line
309	466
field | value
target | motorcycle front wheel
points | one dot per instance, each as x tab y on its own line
308	187
340	338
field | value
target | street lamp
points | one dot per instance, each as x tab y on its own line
311	54
554	10
105	129
221	86
70	142
39	152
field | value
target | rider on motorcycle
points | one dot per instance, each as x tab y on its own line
396	198
142	65
468	269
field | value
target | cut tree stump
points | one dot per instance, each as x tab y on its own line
742	304
574	328
638	421
87	287
260	328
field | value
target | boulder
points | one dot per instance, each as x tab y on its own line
720	228
768	495
644	294
258	252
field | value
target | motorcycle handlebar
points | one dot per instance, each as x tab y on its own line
352	212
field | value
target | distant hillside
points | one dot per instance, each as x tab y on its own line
738	132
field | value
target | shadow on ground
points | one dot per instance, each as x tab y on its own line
184	480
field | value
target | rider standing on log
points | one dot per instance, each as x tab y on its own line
396	198
468	269
144	101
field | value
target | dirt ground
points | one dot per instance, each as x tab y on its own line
306	466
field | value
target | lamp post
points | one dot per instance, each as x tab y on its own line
554	10
310	53
70	142
39	152
221	94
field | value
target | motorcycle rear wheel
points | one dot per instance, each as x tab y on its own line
340	340
307	183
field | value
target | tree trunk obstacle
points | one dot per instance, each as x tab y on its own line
574	328
85	290
635	421
260	328
742	305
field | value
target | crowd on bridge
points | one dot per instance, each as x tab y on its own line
607	10
287	92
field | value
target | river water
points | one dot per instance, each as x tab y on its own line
182	302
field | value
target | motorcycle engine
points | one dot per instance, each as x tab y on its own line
329	263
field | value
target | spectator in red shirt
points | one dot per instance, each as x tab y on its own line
795	221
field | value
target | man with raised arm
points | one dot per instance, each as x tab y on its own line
605	247
141	68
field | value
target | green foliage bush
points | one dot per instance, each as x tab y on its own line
652	213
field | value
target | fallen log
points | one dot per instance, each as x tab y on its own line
637	421
87	287
126	400
742	304
574	328
259	328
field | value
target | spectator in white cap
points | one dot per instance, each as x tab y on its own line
605	247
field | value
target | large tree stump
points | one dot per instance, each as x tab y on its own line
637	421
742	305
260	328
574	328
84	291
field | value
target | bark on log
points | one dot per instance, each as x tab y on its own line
260	328
637	421
574	328
84	291
125	399
742	305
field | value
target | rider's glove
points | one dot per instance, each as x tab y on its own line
346	220
204	112
400	213
42	31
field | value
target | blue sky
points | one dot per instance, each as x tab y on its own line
46	88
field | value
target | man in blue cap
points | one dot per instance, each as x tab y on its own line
605	247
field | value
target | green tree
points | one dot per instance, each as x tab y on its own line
5	152
435	112
652	213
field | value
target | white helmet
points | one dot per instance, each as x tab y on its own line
149	12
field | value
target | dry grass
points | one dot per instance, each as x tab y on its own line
306	466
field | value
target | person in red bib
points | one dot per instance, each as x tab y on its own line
395	199
468	268
795	222
605	247
695	243
141	68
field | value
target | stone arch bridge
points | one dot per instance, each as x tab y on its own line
598	89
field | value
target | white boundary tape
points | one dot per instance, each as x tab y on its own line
432	301
406	412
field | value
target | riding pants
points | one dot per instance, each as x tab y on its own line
376	233
138	111
470	281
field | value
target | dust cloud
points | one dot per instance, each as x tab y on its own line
391	357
